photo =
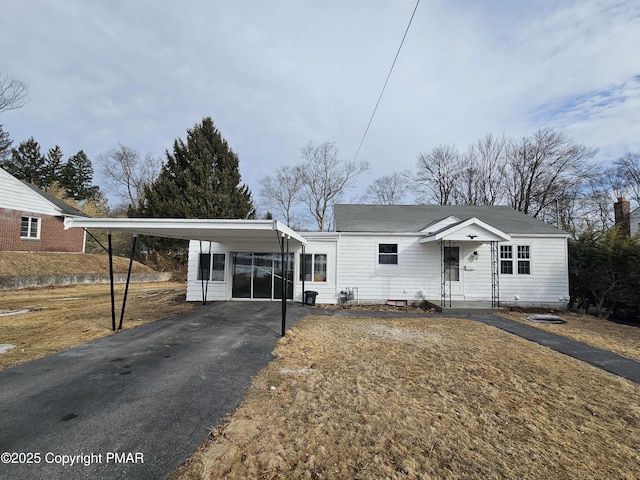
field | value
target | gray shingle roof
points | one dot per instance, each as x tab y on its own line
414	218
65	208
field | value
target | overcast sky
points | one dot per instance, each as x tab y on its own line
276	75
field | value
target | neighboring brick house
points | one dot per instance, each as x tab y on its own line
31	220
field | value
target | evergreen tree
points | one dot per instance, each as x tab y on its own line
27	163
5	146
199	180
76	177
53	165
604	268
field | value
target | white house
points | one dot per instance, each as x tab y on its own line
398	253
634	221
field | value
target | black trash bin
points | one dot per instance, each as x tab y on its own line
310	297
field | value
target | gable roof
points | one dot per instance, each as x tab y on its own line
470	229
19	195
64	207
417	218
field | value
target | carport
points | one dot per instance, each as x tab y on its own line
263	233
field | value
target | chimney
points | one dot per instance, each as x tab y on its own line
621	211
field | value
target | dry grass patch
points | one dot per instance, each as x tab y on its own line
60	318
606	334
42	263
365	398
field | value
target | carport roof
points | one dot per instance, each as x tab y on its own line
213	230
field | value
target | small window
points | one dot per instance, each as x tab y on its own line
211	267
313	267
506	259
388	254
30	227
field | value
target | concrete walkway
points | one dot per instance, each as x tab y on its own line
149	395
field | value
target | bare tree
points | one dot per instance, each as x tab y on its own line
283	192
542	168
487	159
128	173
437	175
627	170
13	93
387	190
324	178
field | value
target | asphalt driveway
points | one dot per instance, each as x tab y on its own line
135	404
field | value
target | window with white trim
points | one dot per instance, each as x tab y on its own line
313	267
211	267
30	227
522	260
388	254
506	259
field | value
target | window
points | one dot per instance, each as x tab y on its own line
313	267
388	254
523	260
30	227
506	259
211	267
452	264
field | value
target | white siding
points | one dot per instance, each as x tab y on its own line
418	268
323	244
418	271
218	291
214	290
634	220
15	195
548	283
352	262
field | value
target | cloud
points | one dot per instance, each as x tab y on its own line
276	75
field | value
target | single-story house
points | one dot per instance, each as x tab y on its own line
32	220
397	254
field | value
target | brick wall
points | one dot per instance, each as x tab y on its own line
53	236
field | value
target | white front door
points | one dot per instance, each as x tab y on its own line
452	271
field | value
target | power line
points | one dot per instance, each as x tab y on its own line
386	81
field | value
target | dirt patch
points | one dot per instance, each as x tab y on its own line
367	398
409	308
59	318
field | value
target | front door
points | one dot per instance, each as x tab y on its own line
451	265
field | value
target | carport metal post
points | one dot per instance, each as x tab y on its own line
302	269
113	299
126	288
285	260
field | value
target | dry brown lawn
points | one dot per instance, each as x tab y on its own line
60	318
369	398
606	334
41	263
